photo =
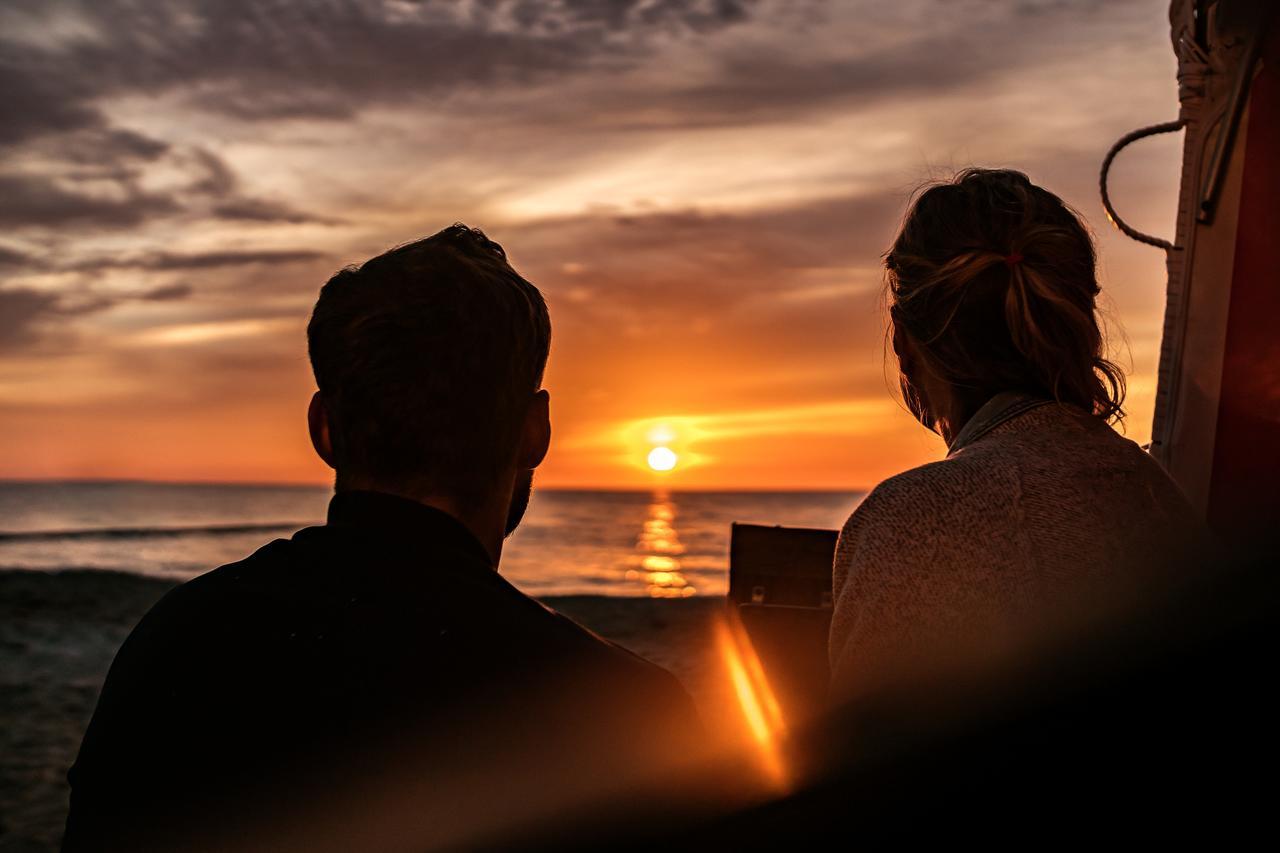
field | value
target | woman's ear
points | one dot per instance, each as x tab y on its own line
902	349
318	426
535	437
916	384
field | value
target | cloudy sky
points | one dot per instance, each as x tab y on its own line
702	190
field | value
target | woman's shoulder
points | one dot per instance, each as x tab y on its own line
922	508
940	488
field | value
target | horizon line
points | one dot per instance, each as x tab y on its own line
267	484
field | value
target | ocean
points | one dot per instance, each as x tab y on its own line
658	544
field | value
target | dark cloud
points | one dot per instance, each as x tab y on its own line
20	310
13	258
90	176
276	60
211	260
214	176
220	182
29	200
619	15
748	85
166	293
60	61
40	98
674	263
26	314
98	182
88	179
109	148
169	261
948	46
259	210
256	59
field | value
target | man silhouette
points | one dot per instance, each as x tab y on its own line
373	682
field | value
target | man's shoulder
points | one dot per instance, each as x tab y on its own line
562	639
618	656
243	580
469	609
220	610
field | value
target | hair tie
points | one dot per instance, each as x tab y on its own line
1011	260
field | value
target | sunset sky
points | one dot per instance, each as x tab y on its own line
702	190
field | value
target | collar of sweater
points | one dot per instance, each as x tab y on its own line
1000	409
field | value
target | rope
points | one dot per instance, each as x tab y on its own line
1123	142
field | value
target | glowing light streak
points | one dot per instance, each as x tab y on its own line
759	706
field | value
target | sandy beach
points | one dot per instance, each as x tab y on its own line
59	632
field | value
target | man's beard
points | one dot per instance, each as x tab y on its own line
519	500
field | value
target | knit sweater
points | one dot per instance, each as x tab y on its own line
1039	516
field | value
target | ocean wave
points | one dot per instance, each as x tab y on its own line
148	532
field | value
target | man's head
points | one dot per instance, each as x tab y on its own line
429	360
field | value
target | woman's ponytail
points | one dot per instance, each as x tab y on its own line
993	279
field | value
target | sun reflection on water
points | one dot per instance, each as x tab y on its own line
656	562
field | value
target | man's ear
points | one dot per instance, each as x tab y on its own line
318	425
535	437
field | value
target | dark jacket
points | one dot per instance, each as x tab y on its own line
376	671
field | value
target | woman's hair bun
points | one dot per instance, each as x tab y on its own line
993	278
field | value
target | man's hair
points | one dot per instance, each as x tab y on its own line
427	358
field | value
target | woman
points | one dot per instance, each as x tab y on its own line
1040	516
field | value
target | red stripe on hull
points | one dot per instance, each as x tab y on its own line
1244	497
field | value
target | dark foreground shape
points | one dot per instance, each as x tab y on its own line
1163	729
369	684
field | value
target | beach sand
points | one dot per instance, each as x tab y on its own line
59	632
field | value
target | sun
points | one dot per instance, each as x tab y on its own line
662	459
